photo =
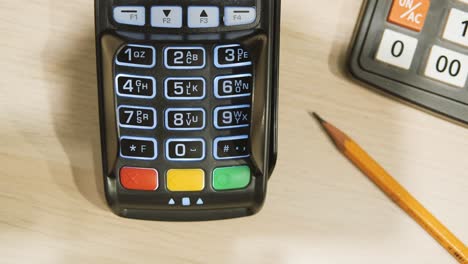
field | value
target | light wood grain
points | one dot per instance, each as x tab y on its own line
320	209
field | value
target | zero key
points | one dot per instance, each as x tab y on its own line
410	14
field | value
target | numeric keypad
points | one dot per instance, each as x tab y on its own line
196	106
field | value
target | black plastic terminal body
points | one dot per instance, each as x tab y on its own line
260	39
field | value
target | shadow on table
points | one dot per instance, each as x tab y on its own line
70	60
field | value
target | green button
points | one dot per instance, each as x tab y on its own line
231	178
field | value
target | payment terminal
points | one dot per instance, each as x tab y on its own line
188	106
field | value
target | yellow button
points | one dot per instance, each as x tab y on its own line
191	180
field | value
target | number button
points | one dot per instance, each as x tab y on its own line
231	147
456	29
137	56
137	117
185	88
185	149
184	58
233	86
138	148
447	66
397	49
227	117
231	56
135	86
185	119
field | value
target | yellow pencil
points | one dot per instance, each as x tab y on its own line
395	191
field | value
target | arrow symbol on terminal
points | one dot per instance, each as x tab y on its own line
167	12
203	14
171	202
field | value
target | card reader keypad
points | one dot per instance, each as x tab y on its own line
181	106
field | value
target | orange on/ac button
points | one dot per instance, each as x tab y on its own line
410	14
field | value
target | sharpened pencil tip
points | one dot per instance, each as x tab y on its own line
316	116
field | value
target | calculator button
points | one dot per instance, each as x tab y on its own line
231	178
185	88
226	117
136	117
185	180
138	148
203	16
410	14
397	49
137	56
185	58
139	179
189	149
447	66
231	147
135	86
185	119
166	16
234	16
456	29
233	86
228	56
130	15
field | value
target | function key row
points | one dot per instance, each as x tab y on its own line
185	149
172	16
185	180
184	88
183	58
184	119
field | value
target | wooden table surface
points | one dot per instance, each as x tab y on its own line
320	209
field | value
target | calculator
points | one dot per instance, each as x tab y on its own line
188	106
416	50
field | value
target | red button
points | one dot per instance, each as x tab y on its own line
139	179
